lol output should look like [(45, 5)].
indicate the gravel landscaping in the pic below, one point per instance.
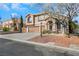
[(57, 40)]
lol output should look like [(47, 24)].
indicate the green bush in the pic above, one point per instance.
[(49, 32), (46, 31), (5, 29)]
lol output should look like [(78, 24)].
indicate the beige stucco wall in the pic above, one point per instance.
[(44, 18), (34, 29)]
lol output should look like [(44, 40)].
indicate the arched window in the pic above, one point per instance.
[(29, 20)]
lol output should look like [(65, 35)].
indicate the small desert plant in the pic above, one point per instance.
[(68, 34), (49, 32), (78, 36), (46, 31), (5, 29)]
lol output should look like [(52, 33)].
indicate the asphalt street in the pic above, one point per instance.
[(13, 48)]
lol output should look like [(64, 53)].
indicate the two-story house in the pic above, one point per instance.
[(54, 22)]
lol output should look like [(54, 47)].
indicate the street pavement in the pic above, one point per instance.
[(14, 48)]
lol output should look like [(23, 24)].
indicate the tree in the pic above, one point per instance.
[(76, 24), (14, 24), (21, 19), (21, 24), (14, 19), (71, 10)]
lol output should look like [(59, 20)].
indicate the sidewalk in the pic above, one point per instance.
[(20, 36)]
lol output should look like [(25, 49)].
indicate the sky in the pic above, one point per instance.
[(8, 10)]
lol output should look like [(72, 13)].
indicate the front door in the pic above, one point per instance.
[(50, 25)]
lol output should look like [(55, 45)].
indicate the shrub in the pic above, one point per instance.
[(5, 29), (46, 31), (49, 32)]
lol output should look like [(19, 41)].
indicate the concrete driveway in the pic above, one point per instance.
[(20, 36)]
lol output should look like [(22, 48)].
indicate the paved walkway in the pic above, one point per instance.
[(20, 36)]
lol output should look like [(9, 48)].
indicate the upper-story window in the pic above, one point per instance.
[(29, 20), (41, 18), (46, 16)]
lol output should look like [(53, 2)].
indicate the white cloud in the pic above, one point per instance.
[(17, 6), (4, 6), (14, 14)]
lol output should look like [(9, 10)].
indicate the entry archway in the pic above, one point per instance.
[(50, 23)]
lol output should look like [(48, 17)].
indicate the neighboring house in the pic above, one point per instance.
[(54, 23), (9, 23), (14, 23)]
